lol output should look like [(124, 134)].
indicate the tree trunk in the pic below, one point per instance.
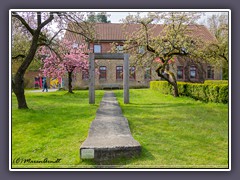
[(70, 82), (18, 89), (18, 84), (175, 89), (174, 84), (167, 78)]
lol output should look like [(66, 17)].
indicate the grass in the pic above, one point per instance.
[(54, 127), (173, 132), (176, 132)]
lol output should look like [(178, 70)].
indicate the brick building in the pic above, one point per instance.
[(111, 71)]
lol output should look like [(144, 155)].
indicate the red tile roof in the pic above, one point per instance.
[(114, 32)]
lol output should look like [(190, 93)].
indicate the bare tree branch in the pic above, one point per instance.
[(51, 17), (19, 56), (26, 25), (224, 57), (50, 41), (51, 49), (39, 18)]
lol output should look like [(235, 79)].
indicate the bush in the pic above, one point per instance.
[(213, 93), (162, 86), (80, 88), (223, 94), (209, 92), (182, 88), (216, 82), (198, 91)]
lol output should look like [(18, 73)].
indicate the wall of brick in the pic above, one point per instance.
[(111, 78), (139, 81), (201, 70), (105, 46)]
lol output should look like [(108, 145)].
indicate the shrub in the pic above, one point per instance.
[(162, 86), (223, 94), (214, 92), (216, 82), (182, 88)]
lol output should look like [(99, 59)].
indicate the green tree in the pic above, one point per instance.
[(101, 17), (176, 39), (218, 51), (20, 46)]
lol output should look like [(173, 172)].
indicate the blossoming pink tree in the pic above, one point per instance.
[(43, 29), (69, 60)]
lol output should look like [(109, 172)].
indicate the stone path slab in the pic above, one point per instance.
[(109, 135)]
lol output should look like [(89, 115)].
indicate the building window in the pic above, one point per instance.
[(147, 74), (85, 75), (210, 72), (180, 72), (102, 72), (119, 48), (119, 72), (97, 48), (193, 72), (132, 74)]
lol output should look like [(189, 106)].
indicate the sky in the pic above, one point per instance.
[(115, 17)]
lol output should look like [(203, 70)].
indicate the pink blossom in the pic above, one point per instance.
[(71, 60)]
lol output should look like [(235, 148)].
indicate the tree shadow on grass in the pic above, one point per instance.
[(160, 105)]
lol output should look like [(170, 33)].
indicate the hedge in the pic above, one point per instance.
[(216, 82), (208, 92)]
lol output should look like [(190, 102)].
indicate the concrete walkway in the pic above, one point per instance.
[(109, 135), (40, 90)]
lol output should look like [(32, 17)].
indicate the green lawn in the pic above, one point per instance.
[(54, 127), (177, 132), (173, 132)]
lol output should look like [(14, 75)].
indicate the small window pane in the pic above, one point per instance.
[(210, 72), (119, 72), (97, 48), (147, 74), (85, 75), (132, 74), (103, 72), (180, 72), (193, 73)]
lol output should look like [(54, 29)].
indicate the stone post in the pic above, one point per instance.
[(92, 79), (126, 78)]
